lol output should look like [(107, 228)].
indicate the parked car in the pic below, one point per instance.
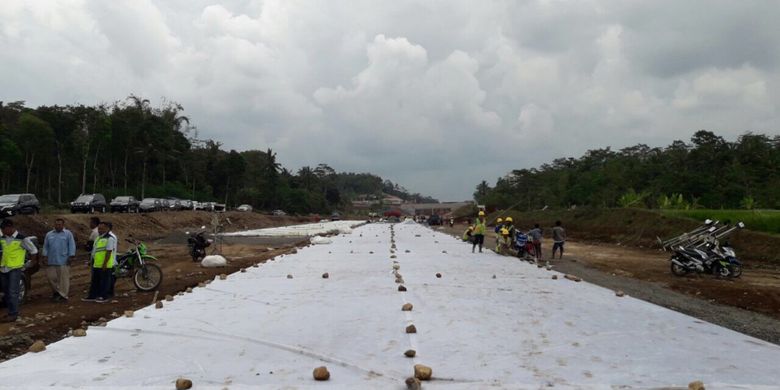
[(244, 207), (187, 205), (126, 204), (149, 205), (279, 212), (13, 204), (89, 203), (166, 204), (335, 216)]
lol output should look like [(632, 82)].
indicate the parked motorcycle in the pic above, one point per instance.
[(135, 263), (198, 243), (700, 251), (720, 261)]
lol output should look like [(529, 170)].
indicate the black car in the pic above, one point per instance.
[(13, 204), (150, 204), (434, 220), (89, 203), (126, 204)]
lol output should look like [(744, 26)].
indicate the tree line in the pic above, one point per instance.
[(707, 172), (132, 148)]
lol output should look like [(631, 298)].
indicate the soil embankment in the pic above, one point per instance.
[(164, 235)]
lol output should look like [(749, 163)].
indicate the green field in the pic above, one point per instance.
[(758, 220)]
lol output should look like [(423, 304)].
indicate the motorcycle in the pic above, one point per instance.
[(135, 263), (198, 244), (718, 260)]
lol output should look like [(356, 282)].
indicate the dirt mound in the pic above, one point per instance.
[(150, 226)]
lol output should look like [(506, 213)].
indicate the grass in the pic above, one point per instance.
[(767, 221)]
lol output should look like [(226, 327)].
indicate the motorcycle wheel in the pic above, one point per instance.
[(24, 286), (148, 278), (678, 270), (736, 270)]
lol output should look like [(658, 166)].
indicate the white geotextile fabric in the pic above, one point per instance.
[(319, 240), (213, 261), (520, 330), (309, 229)]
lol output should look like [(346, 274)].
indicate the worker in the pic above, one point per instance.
[(480, 226), (15, 247), (103, 260), (59, 248), (468, 233), (497, 230), (509, 224)]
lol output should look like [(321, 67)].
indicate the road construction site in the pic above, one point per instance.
[(475, 321)]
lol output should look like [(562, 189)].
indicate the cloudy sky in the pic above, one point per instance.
[(435, 95)]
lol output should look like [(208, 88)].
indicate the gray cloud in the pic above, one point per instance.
[(436, 95)]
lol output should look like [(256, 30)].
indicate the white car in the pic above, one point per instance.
[(244, 207)]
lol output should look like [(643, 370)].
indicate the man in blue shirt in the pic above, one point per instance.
[(59, 247)]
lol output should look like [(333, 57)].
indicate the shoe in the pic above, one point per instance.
[(101, 300), (88, 299), (8, 319)]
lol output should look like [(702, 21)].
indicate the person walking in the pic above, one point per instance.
[(59, 247), (15, 247), (103, 260), (559, 238), (480, 226), (536, 238)]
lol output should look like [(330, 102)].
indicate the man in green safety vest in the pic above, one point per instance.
[(103, 260), (15, 248), (480, 226)]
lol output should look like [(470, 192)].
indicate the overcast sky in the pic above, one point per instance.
[(435, 95)]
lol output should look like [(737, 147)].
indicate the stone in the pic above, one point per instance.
[(393, 256), (168, 298), (79, 332), (401, 288), (399, 280), (443, 251), (201, 284), (189, 289), (158, 305), (396, 266), (539, 265), (255, 265), (289, 276), (696, 385), (294, 251), (370, 252), (410, 353), (243, 269), (549, 267), (438, 275), (422, 372), (620, 293), (411, 329), (572, 278), (408, 251), (494, 276), (183, 384), (37, 346), (129, 313), (407, 307), (222, 276), (325, 275), (413, 384), (555, 277), (321, 373)]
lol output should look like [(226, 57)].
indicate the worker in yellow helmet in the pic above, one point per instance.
[(497, 230), (468, 233), (480, 226)]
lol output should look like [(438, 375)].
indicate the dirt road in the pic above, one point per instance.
[(750, 304), (42, 319)]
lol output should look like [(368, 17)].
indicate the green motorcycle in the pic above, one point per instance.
[(135, 263)]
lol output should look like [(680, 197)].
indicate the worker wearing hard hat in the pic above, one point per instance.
[(497, 230), (480, 226), (468, 233)]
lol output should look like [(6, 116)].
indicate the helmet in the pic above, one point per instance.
[(481, 213), (471, 227), (504, 231), (509, 219), (499, 220)]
